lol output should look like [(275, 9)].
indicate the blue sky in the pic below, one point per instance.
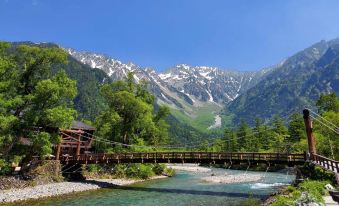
[(238, 34)]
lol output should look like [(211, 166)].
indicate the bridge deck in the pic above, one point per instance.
[(188, 157)]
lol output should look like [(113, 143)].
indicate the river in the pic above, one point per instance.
[(184, 189)]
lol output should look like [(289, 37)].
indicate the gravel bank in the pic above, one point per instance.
[(189, 167), (230, 179), (61, 188)]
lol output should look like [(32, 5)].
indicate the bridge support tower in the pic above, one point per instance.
[(309, 132)]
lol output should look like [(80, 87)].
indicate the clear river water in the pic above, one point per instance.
[(184, 189)]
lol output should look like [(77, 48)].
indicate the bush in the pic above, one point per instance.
[(93, 168), (132, 171), (145, 171), (316, 189), (314, 172), (290, 189), (159, 169), (282, 201), (119, 171), (5, 167), (169, 172)]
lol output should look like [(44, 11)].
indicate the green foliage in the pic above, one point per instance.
[(230, 139), (145, 171), (159, 169), (119, 171), (93, 168), (130, 117), (305, 192), (41, 143), (317, 173), (139, 171), (327, 140), (5, 167), (169, 172), (32, 97), (315, 189), (328, 102)]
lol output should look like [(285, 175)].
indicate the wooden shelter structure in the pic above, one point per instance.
[(75, 141)]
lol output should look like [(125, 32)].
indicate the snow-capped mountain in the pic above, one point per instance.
[(209, 83), (188, 83), (183, 87)]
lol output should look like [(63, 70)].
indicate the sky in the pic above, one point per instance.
[(231, 34)]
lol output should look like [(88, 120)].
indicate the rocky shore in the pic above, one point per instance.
[(189, 167), (230, 179), (61, 188)]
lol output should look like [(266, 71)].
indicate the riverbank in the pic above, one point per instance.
[(62, 188), (230, 179), (189, 167), (213, 178)]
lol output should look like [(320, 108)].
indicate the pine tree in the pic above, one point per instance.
[(245, 137), (230, 141)]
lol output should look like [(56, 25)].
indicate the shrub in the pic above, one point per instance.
[(316, 189), (119, 171), (282, 201), (132, 171), (5, 168), (93, 168), (290, 189), (169, 172), (145, 171), (158, 169)]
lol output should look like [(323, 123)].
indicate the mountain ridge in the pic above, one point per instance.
[(185, 89)]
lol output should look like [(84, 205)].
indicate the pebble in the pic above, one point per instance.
[(229, 179), (61, 188)]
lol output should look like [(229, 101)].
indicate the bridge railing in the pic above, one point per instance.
[(189, 156), (326, 163)]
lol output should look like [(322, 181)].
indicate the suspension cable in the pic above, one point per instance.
[(336, 127), (318, 120)]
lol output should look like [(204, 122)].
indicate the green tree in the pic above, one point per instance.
[(245, 137), (32, 100), (328, 140), (280, 133), (328, 102), (204, 146), (296, 133), (218, 145), (230, 141), (130, 117)]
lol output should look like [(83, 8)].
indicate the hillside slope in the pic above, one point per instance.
[(296, 83)]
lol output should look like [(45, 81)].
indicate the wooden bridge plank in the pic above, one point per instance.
[(189, 157)]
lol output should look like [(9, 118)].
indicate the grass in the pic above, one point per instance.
[(198, 117), (314, 189)]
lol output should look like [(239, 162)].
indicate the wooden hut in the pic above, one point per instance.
[(76, 140)]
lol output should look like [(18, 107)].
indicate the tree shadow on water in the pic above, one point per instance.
[(177, 191)]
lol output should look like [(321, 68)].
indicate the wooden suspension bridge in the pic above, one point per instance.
[(77, 141), (188, 157)]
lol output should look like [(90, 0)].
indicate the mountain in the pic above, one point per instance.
[(205, 98), (294, 84), (196, 95)]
